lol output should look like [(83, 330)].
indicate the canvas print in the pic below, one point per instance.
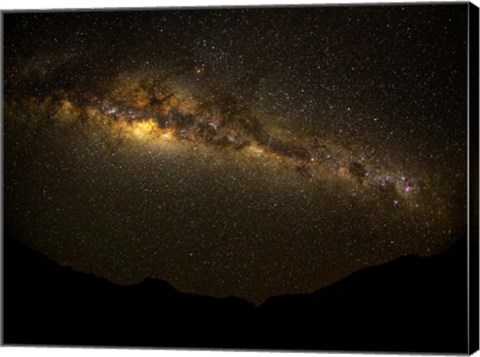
[(280, 178)]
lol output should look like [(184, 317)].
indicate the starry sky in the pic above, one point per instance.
[(245, 152)]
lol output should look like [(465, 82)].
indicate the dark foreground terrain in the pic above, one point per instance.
[(411, 304)]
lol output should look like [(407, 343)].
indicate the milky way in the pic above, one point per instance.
[(246, 152)]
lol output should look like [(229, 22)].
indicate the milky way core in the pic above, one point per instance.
[(236, 152)]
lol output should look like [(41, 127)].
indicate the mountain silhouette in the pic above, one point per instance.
[(413, 304)]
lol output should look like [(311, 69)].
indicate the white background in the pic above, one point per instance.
[(100, 352)]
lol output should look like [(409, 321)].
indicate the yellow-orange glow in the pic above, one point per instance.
[(255, 149), (143, 129)]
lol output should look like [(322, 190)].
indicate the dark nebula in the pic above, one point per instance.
[(236, 152)]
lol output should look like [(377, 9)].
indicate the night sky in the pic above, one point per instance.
[(246, 152)]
